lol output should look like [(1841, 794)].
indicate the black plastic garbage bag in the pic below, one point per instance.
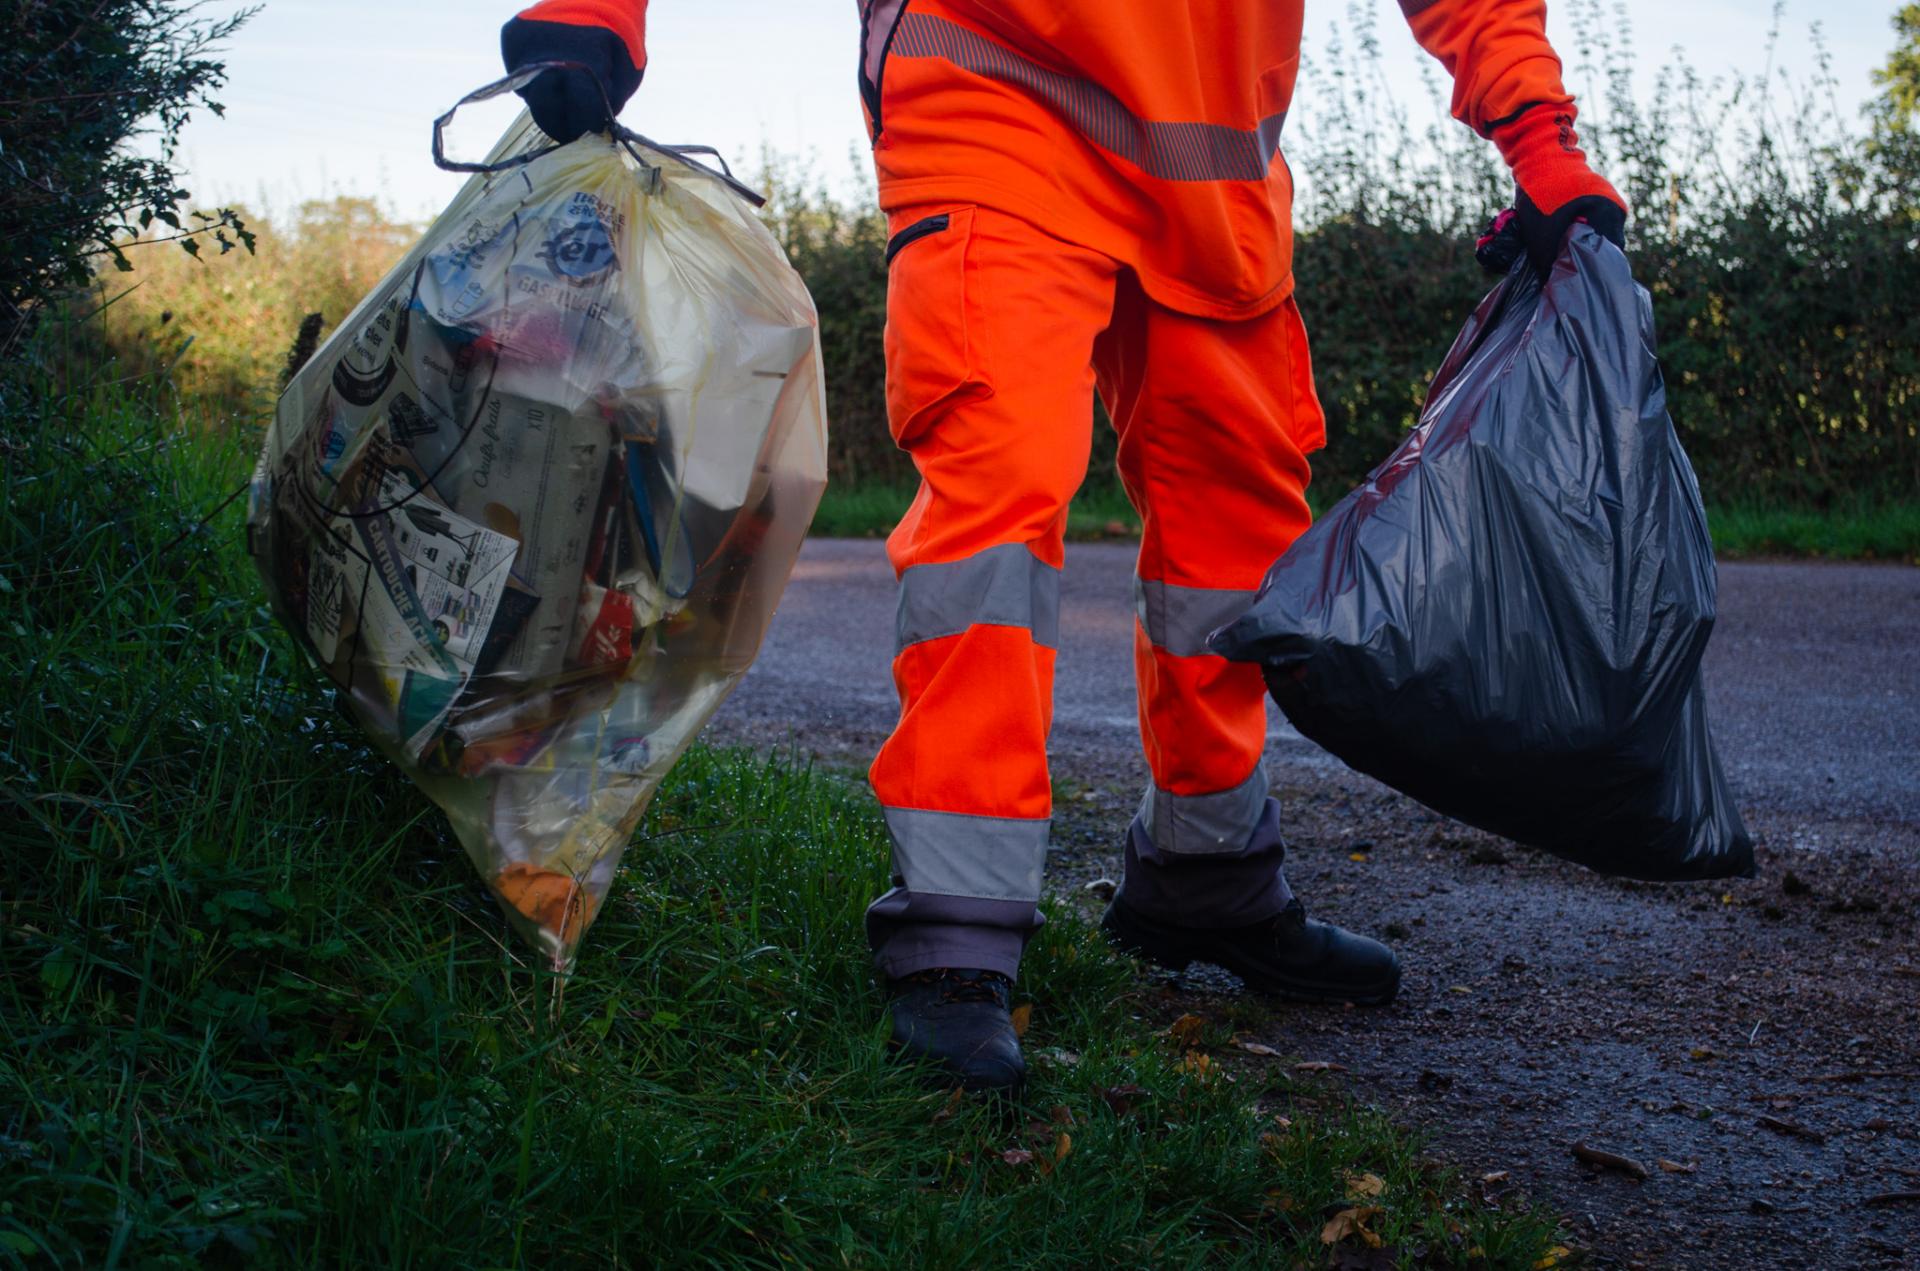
[(1506, 619)]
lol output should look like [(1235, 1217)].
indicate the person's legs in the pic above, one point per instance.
[(990, 331), (1215, 419), (1215, 422)]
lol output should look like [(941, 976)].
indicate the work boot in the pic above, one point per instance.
[(958, 1019), (1289, 953)]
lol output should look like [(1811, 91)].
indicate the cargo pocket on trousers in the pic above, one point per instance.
[(933, 346)]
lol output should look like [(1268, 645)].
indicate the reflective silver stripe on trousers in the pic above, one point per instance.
[(1205, 824), (1179, 619), (1170, 151), (952, 854), (1004, 586)]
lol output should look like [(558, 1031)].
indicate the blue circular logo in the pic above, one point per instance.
[(579, 251)]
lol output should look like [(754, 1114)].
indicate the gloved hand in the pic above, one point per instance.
[(568, 103), (1554, 188)]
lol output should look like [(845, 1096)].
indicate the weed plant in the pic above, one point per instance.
[(256, 1009)]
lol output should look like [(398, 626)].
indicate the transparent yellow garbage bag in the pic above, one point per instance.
[(530, 508)]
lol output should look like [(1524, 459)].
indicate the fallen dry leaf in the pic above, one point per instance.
[(1061, 1114), (1186, 1030), (1675, 1167), (1319, 1065), (1610, 1160), (1349, 1223), (1357, 856), (1498, 1176), (1022, 1016), (1198, 1064), (1552, 1258), (1062, 1146), (1123, 1098), (1365, 1186), (951, 1106), (1255, 1048), (1017, 1156)]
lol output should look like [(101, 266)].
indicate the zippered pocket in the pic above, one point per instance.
[(918, 230), (935, 351)]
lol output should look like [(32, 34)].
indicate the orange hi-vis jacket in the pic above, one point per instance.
[(1146, 129)]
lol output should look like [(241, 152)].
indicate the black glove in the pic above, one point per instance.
[(570, 103), (1549, 172), (1525, 228)]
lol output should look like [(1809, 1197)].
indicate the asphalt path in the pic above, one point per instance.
[(1754, 1044), (1813, 674)]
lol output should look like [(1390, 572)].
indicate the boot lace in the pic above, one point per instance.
[(964, 986)]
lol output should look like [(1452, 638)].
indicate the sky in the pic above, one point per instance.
[(333, 97)]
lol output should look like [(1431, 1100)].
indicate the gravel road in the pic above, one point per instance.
[(1756, 1045)]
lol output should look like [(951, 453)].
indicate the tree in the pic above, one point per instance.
[(1901, 75), (1894, 142), (79, 81)]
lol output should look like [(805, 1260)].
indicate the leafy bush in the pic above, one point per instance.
[(222, 335), (83, 78), (1778, 239)]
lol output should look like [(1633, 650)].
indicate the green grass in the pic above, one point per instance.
[(255, 1006), (1862, 531), (860, 511), (1858, 531), (1100, 510)]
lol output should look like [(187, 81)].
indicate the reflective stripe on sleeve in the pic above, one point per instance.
[(1004, 586), (1178, 619), (1204, 824), (1170, 151), (953, 854)]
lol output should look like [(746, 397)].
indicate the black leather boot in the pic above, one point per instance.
[(1288, 954), (958, 1019)]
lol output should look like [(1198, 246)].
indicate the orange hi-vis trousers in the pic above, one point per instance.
[(997, 336)]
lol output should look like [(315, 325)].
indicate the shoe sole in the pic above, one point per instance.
[(1156, 951), (935, 1074)]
